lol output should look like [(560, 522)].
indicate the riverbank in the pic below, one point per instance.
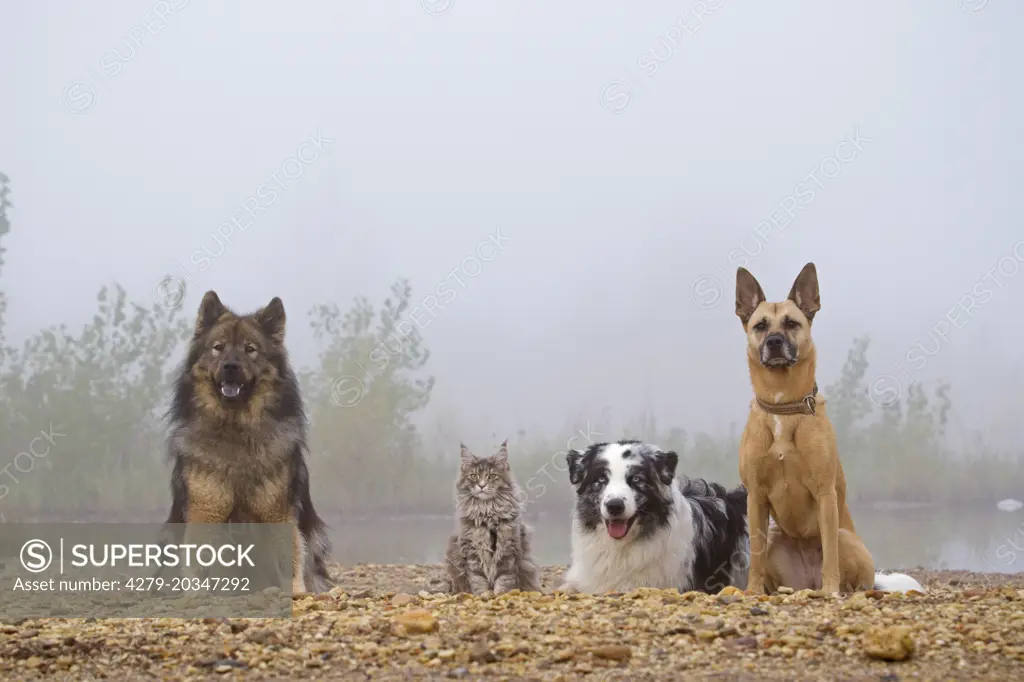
[(390, 622), (534, 511)]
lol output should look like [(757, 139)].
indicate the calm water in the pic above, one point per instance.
[(981, 541)]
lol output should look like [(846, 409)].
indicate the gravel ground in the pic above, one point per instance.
[(389, 622)]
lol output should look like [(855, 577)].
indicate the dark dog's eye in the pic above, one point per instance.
[(761, 326), (598, 482), (790, 324), (218, 347), (250, 349)]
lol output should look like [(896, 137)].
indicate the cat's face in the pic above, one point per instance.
[(484, 478)]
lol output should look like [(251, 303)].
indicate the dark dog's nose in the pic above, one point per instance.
[(232, 368), (774, 341), (615, 506)]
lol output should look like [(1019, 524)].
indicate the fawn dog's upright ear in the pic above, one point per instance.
[(749, 295), (805, 292)]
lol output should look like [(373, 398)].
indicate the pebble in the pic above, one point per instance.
[(416, 622), (613, 652), (889, 643), (481, 653), (402, 600), (745, 642), (227, 665), (261, 636)]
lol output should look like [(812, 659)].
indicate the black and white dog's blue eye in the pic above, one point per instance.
[(636, 479), (598, 482)]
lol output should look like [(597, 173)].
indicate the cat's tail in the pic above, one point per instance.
[(896, 582), (529, 571), (458, 576)]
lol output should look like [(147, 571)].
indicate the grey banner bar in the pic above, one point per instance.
[(145, 570)]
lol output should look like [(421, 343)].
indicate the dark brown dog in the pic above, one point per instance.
[(238, 435)]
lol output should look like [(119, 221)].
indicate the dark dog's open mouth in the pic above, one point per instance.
[(618, 528), (230, 389)]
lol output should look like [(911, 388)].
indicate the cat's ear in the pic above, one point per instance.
[(465, 455), (574, 458), (501, 457)]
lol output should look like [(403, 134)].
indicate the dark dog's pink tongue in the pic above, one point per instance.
[(617, 529)]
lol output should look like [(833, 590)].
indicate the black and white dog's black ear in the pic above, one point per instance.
[(574, 458), (665, 465)]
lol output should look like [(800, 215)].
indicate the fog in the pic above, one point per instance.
[(630, 156)]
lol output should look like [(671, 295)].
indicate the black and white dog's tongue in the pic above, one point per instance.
[(230, 390), (617, 529)]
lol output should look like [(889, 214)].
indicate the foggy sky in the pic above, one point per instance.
[(620, 183)]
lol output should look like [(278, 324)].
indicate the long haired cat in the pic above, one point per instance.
[(490, 550)]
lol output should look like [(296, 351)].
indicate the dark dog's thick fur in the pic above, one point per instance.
[(238, 434)]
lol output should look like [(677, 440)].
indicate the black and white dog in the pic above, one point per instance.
[(636, 524)]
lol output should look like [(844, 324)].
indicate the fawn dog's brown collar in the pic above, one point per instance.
[(805, 405)]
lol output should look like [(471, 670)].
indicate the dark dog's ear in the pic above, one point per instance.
[(805, 291), (465, 455), (271, 319), (749, 295), (574, 458), (210, 310), (665, 465)]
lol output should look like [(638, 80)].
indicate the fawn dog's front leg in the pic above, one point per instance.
[(757, 519), (828, 527)]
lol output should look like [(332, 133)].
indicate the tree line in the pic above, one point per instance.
[(83, 408)]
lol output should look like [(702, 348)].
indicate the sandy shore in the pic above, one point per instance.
[(390, 622)]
